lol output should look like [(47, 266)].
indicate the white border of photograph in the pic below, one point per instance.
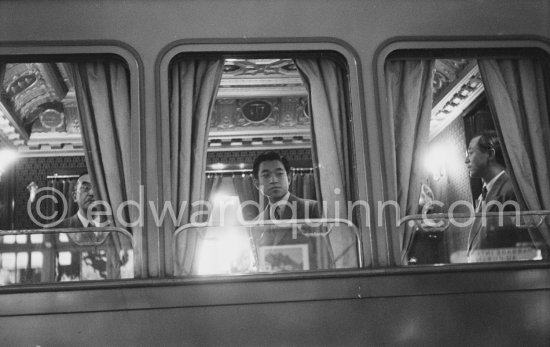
[(298, 253)]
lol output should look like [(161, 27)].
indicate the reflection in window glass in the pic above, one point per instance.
[(37, 238), (263, 105), (463, 157), (21, 239), (37, 259), (42, 127)]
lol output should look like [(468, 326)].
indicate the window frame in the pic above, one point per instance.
[(67, 51), (274, 47), (422, 47)]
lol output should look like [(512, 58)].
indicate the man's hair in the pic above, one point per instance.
[(269, 156), (78, 179), (489, 140)]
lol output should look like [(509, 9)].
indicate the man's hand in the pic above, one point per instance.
[(123, 256)]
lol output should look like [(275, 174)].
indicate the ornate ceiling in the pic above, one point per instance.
[(262, 103), (457, 84), (38, 113)]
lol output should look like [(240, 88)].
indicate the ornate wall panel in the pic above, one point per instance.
[(28, 170), (299, 158), (259, 123)]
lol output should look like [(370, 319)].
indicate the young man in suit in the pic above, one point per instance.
[(271, 177), (485, 160)]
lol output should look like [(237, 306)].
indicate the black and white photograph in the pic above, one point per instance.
[(275, 173), (284, 258)]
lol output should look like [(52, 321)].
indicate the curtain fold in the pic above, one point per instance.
[(245, 189), (193, 87), (103, 95), (410, 95), (309, 186), (519, 96), (303, 184), (212, 184), (296, 187), (325, 80)]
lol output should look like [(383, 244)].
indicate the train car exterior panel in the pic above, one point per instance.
[(490, 304)]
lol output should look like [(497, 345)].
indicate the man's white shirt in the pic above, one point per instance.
[(487, 186)]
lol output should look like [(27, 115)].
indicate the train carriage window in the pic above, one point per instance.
[(469, 135), (65, 154), (229, 110)]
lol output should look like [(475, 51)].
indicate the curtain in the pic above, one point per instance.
[(518, 94), (409, 92), (193, 88), (325, 80), (212, 184), (296, 184), (245, 189), (103, 95), (302, 184)]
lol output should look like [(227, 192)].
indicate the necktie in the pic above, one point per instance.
[(484, 193), (277, 212), (481, 199)]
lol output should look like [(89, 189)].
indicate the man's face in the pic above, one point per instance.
[(477, 161), (84, 193), (272, 179)]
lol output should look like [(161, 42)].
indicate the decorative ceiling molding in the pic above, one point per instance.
[(446, 72), (259, 140), (259, 124), (228, 81), (457, 96), (54, 140), (44, 93), (255, 92), (38, 111), (28, 88), (65, 150), (54, 79), (259, 67), (11, 127), (52, 144), (260, 78)]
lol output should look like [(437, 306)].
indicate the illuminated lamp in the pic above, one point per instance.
[(7, 157), (225, 248), (218, 166), (435, 162)]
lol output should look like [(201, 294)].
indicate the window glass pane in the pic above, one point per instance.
[(37, 238), (262, 110), (270, 247), (88, 255), (464, 160), (44, 175)]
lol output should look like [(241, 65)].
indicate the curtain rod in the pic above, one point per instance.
[(56, 176), (228, 171), (245, 171)]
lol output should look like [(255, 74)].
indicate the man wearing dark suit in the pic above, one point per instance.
[(486, 161), (95, 246), (271, 177), (83, 195)]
